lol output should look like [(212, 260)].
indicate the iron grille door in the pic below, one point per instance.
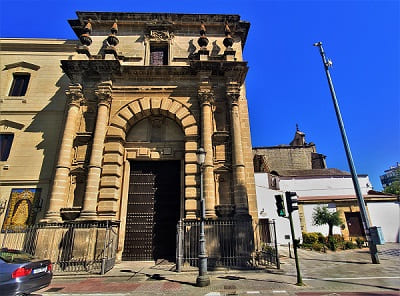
[(153, 210)]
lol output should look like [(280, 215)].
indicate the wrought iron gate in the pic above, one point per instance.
[(153, 210)]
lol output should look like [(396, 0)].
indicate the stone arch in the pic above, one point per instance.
[(114, 160), (138, 109)]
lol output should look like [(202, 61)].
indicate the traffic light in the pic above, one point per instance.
[(280, 205), (291, 201)]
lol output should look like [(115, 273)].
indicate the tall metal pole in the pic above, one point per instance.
[(296, 257), (278, 262), (203, 279), (361, 203)]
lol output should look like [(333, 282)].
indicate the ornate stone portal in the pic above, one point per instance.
[(155, 96)]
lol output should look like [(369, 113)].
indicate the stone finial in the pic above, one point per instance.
[(85, 36), (114, 28), (112, 39), (228, 41), (203, 40)]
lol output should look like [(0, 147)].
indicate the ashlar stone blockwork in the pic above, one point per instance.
[(152, 94)]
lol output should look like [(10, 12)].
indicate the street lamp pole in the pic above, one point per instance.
[(202, 279), (361, 203)]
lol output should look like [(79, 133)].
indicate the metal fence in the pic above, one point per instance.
[(72, 247), (268, 250), (229, 243)]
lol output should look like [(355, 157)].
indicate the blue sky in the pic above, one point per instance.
[(286, 84)]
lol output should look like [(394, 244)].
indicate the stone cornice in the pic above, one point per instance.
[(113, 69), (37, 45), (236, 70)]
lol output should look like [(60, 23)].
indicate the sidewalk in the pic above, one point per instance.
[(350, 270)]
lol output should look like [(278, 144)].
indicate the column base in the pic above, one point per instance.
[(210, 214), (88, 216), (52, 217), (202, 281)]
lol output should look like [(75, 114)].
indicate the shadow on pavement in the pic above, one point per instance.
[(357, 284), (339, 261), (236, 278)]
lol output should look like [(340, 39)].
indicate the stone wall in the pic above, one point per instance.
[(287, 157)]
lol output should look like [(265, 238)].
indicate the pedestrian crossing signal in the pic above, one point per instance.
[(280, 205)]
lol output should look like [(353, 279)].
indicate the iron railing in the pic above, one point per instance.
[(229, 243), (267, 254), (72, 247)]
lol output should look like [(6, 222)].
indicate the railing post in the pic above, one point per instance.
[(179, 251), (4, 238), (103, 260)]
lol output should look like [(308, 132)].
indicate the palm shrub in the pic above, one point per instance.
[(322, 216)]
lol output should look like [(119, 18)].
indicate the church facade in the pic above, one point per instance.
[(113, 134)]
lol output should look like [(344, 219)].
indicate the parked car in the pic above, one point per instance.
[(22, 273)]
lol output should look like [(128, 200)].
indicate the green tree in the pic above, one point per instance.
[(393, 188), (322, 216)]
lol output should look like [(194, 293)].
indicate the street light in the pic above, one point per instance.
[(202, 279), (363, 212)]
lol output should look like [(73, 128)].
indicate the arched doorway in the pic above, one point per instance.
[(148, 130), (155, 200)]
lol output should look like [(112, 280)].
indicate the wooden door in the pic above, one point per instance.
[(354, 224), (153, 210)]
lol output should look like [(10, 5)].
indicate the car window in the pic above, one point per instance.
[(15, 256)]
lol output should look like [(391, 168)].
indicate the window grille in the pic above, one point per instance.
[(159, 54)]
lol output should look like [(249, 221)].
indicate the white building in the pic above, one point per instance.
[(326, 187)]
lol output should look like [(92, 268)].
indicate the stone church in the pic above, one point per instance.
[(106, 128)]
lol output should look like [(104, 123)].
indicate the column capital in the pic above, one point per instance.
[(104, 93), (233, 97), (233, 92), (206, 96), (74, 94)]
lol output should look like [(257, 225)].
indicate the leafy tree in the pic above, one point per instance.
[(393, 188), (322, 216)]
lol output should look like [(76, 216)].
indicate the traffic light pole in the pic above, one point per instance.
[(296, 258), (361, 203)]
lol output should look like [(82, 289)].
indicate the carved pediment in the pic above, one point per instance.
[(22, 65)]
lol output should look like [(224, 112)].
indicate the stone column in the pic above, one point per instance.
[(206, 97), (239, 175), (103, 94), (61, 178)]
